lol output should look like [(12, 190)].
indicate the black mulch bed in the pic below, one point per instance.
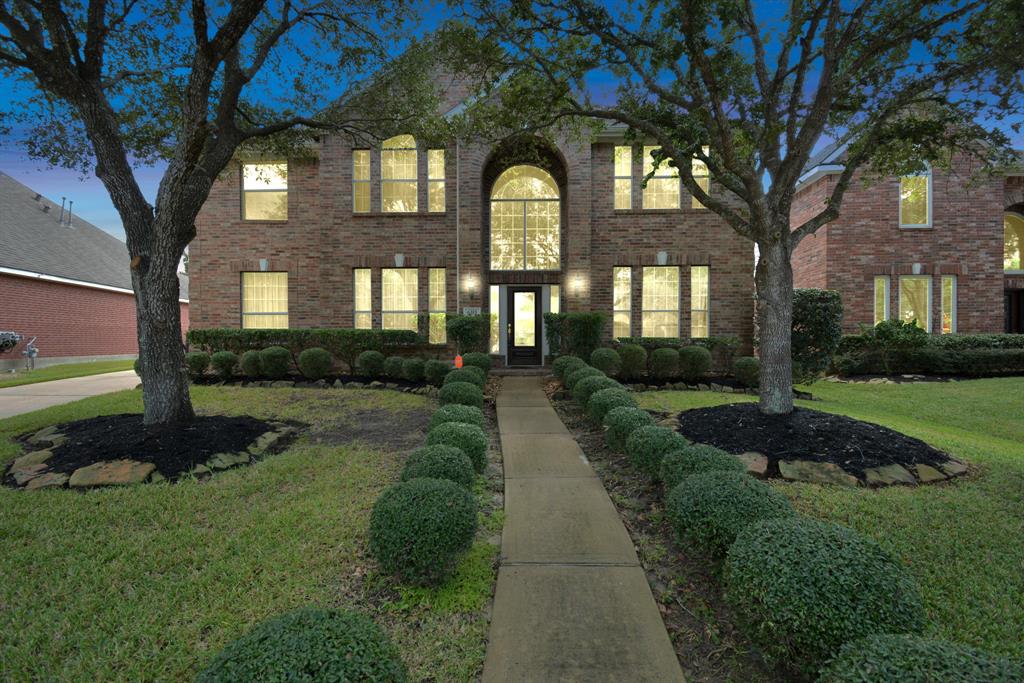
[(174, 450), (805, 435)]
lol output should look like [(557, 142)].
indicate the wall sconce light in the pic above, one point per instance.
[(399, 260), (662, 257), (469, 283), (577, 283)]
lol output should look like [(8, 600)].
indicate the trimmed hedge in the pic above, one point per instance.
[(634, 361), (469, 438), (711, 508), (468, 332), (588, 386), (418, 528), (465, 375), (455, 412), (275, 361), (601, 402), (664, 363), (747, 371), (224, 364), (413, 369), (315, 363), (477, 359), (440, 462), (721, 348), (621, 422), (801, 588), (309, 644), (696, 459), (434, 371), (393, 366), (694, 363), (577, 332), (250, 364), (949, 342), (646, 446), (197, 363), (370, 364), (481, 375), (933, 361), (893, 658), (607, 361), (563, 365), (577, 375), (462, 393)]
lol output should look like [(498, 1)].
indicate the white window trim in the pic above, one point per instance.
[(931, 303), (616, 177), (678, 310), (241, 299), (415, 179), (355, 298), (931, 219), (438, 181), (430, 297), (942, 289), (245, 191), (629, 300), (384, 311), (887, 286), (707, 302), (1012, 271), (357, 182)]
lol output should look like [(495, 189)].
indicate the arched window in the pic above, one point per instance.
[(398, 170), (525, 220), (1013, 242)]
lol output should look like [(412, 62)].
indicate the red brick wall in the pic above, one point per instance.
[(809, 257)]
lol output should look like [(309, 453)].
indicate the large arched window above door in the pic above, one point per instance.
[(525, 220)]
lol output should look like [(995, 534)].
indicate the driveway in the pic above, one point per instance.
[(29, 397)]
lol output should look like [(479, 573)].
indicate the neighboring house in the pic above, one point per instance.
[(940, 247), (397, 236), (65, 282)]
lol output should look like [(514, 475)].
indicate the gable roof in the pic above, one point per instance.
[(33, 240)]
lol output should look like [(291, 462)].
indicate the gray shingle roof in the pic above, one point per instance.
[(33, 239)]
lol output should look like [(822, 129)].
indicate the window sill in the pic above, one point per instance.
[(398, 214), (917, 227), (264, 220)]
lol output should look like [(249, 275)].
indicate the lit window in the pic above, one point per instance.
[(398, 170), (495, 298), (265, 192), (703, 177), (623, 177), (399, 299), (525, 220), (700, 301), (662, 189), (436, 306), (881, 298), (660, 301), (948, 304), (363, 301), (622, 304), (915, 200), (264, 301), (555, 299), (916, 300), (1013, 242), (435, 180), (361, 180)]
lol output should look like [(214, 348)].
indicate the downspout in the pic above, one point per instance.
[(458, 233)]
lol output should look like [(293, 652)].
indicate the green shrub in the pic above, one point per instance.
[(817, 331), (604, 400), (694, 363), (440, 462), (646, 446), (315, 363), (710, 508), (458, 413), (576, 375), (577, 333), (607, 361), (634, 361), (480, 374), (469, 438), (418, 528), (309, 644), (370, 364), (801, 588), (900, 658), (477, 359), (393, 367), (892, 336), (588, 386), (664, 363), (413, 369), (197, 362), (461, 393), (250, 364), (563, 365), (696, 459), (275, 361), (137, 367), (465, 375), (468, 332), (934, 361), (621, 422), (434, 371), (224, 364), (747, 371)]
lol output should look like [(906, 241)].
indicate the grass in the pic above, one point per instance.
[(963, 540), (147, 583), (64, 371)]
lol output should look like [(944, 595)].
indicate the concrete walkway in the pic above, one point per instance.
[(572, 602), (29, 397)]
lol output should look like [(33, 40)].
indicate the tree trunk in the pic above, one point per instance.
[(774, 282)]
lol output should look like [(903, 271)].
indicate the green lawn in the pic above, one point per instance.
[(65, 371), (147, 583), (963, 540)]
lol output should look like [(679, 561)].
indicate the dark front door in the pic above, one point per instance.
[(524, 326), (1014, 311)]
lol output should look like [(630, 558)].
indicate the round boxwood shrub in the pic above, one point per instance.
[(664, 363), (197, 362), (434, 371), (440, 462), (419, 527), (901, 658), (646, 446), (696, 458), (309, 644), (694, 363), (315, 363), (412, 369), (607, 361), (477, 359), (250, 363), (576, 376), (469, 438), (478, 372), (465, 375), (747, 371), (634, 361), (621, 422), (801, 588), (588, 386), (712, 507), (462, 393), (458, 413), (563, 365), (393, 366), (370, 363), (224, 363), (275, 361), (604, 400)]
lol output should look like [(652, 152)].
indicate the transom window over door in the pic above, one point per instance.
[(525, 220)]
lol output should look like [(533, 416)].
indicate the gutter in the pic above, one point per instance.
[(68, 281), (817, 172)]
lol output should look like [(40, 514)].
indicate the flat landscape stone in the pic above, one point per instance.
[(816, 472), (223, 461), (756, 463), (28, 472), (111, 473), (927, 474), (953, 468), (43, 435), (889, 475), (47, 480), (267, 440), (33, 458)]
